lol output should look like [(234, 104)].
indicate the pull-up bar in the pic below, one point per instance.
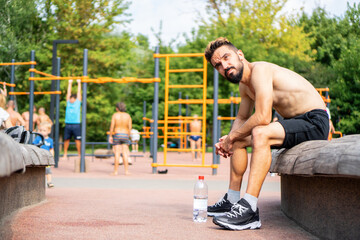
[(8, 84)]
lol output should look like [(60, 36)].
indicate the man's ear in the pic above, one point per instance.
[(241, 55)]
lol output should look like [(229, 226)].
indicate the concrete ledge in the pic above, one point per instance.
[(22, 176), (328, 207), (320, 186)]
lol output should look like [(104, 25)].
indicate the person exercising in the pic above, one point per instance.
[(195, 140), (72, 118), (262, 86)]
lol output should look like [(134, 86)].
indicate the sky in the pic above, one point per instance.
[(180, 16)]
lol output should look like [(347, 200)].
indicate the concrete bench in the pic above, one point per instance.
[(22, 177), (320, 186)]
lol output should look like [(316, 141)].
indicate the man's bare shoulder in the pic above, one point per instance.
[(260, 68)]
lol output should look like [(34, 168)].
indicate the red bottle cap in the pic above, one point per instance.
[(201, 177)]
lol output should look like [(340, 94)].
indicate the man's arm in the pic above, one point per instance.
[(112, 125), (262, 83), (79, 89), (20, 119), (68, 94), (130, 125)]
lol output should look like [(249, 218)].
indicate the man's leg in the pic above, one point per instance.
[(116, 149), (66, 147), (198, 146), (78, 146), (125, 153), (245, 214), (238, 165), (263, 138), (192, 146)]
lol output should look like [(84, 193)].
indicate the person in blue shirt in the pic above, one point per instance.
[(72, 118), (48, 144)]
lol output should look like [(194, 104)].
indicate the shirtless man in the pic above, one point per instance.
[(26, 117), (43, 117), (121, 125), (15, 117), (195, 140), (262, 85)]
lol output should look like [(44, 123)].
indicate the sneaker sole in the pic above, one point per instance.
[(253, 225), (210, 214)]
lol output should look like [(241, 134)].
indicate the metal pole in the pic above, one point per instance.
[(156, 110), (54, 71), (144, 124), (83, 114), (180, 107), (56, 145), (12, 78), (152, 130), (218, 137), (215, 121), (31, 96)]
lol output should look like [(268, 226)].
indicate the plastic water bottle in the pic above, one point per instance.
[(200, 200)]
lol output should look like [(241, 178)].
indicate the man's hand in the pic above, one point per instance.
[(70, 81), (227, 145), (111, 140), (219, 150), (78, 81)]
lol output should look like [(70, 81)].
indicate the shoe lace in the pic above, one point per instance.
[(236, 210), (220, 202)]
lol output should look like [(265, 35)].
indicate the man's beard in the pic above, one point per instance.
[(235, 78)]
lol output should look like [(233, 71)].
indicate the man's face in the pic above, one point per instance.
[(228, 64)]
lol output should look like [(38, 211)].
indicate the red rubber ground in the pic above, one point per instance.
[(95, 205)]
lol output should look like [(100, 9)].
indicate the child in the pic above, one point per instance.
[(45, 129)]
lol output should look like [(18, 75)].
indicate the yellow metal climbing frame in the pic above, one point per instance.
[(169, 119)]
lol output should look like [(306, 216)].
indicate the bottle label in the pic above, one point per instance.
[(200, 204)]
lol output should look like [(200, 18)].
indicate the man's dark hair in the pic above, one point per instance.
[(213, 45), (121, 106), (73, 95)]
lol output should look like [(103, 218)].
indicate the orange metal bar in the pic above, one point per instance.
[(148, 119), (8, 84), (35, 93), (183, 150), (41, 73), (204, 110), (17, 63), (187, 133), (184, 165), (186, 86), (226, 118), (208, 101), (55, 78), (157, 55), (186, 70)]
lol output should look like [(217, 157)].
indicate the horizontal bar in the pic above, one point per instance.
[(182, 150), (184, 165), (18, 63), (55, 78), (8, 84), (148, 119), (185, 133), (182, 117), (322, 89), (35, 93), (186, 70), (186, 86), (208, 101), (157, 55), (226, 118)]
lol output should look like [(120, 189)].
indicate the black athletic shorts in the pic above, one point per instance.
[(72, 130), (313, 125)]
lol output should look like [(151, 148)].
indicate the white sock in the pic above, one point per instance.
[(251, 200), (233, 196)]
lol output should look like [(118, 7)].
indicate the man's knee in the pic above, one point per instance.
[(260, 136)]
